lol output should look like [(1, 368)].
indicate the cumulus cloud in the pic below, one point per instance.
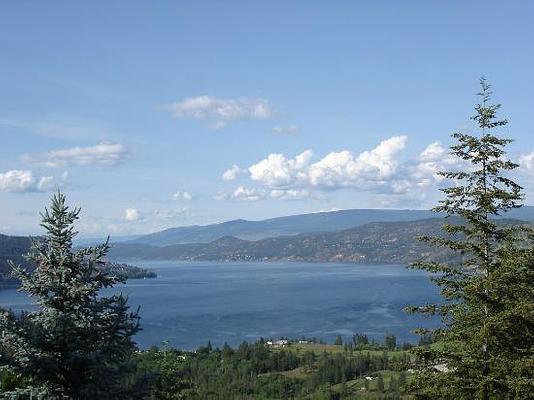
[(242, 193), (289, 194), (220, 111), (245, 194), (186, 196), (286, 130), (131, 215), (221, 195), (45, 183), (433, 152), (378, 170), (104, 154), (277, 171), (231, 173), (334, 171), (433, 159), (526, 162), (343, 169), (24, 181)]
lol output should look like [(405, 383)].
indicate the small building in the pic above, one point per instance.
[(277, 343), (441, 368)]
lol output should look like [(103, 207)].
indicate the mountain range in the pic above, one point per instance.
[(330, 221), (376, 242), (373, 242), (372, 236)]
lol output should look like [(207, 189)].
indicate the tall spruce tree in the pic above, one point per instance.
[(77, 344), (485, 349)]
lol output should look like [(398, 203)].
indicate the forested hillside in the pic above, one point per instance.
[(380, 242), (330, 221), (13, 248)]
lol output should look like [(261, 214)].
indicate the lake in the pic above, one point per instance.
[(190, 303)]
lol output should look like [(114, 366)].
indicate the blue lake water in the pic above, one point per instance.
[(191, 303)]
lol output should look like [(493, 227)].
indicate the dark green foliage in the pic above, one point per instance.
[(360, 339), (486, 348), (14, 248), (390, 342), (255, 371), (126, 271), (402, 379), (76, 345), (380, 383)]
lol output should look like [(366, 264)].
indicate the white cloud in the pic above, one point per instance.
[(24, 181), (221, 195), (377, 170), (433, 152), (131, 214), (242, 193), (286, 130), (221, 110), (45, 183), (245, 194), (104, 154), (277, 171), (334, 171), (433, 159), (186, 196), (232, 173), (343, 169), (289, 194), (526, 162), (168, 215)]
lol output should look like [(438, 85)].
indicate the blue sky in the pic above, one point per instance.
[(157, 115)]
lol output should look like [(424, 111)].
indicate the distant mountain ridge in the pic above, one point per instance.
[(377, 242), (13, 248), (329, 221)]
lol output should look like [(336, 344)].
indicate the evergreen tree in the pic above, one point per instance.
[(77, 344), (360, 339), (486, 344), (390, 342)]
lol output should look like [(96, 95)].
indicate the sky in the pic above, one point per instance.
[(150, 115)]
